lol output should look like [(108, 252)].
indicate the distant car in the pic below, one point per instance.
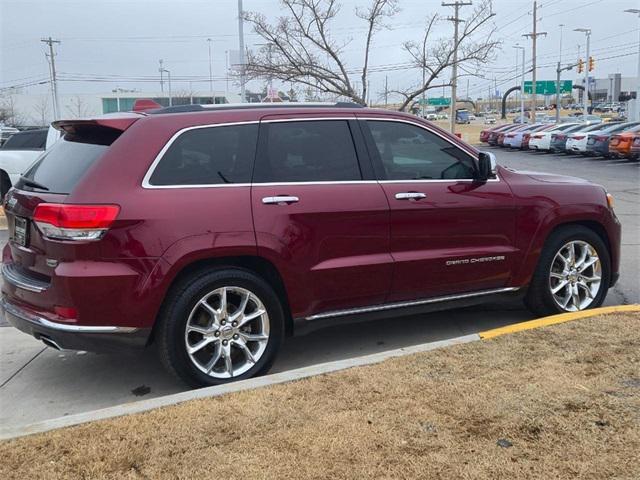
[(598, 141), (462, 116), (494, 134), (472, 117), (526, 136), (431, 117), (576, 141), (20, 151), (542, 140), (485, 134), (620, 143), (490, 120), (588, 119), (443, 116), (635, 147), (558, 141), (5, 134), (514, 138)]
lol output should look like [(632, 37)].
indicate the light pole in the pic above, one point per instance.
[(164, 70), (242, 54), (637, 11), (587, 32), (558, 102), (210, 72), (522, 86)]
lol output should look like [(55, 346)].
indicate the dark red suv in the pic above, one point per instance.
[(214, 232)]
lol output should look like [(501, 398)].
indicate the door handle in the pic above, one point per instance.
[(280, 199), (410, 196)]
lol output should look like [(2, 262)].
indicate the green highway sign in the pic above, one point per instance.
[(437, 102), (548, 87)]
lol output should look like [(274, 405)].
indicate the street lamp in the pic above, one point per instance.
[(164, 70), (637, 11), (522, 86), (587, 32)]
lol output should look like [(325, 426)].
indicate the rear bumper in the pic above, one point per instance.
[(73, 337)]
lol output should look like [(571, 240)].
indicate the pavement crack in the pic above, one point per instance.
[(22, 367)]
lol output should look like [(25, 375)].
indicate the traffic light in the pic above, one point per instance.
[(592, 64), (580, 66)]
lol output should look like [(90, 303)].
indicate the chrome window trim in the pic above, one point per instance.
[(146, 180), (412, 303), (37, 320), (147, 185)]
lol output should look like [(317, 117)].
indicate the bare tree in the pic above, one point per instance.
[(475, 48), (41, 109), (78, 107), (300, 46), (9, 114)]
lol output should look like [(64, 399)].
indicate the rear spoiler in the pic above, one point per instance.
[(120, 123)]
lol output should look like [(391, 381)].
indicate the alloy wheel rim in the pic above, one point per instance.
[(575, 276), (227, 332)]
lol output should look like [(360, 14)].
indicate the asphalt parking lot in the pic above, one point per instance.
[(38, 383)]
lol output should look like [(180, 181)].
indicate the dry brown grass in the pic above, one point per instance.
[(567, 397)]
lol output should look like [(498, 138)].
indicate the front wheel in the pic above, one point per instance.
[(220, 326), (573, 273)]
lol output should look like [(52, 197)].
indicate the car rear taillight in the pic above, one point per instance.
[(577, 137), (600, 138), (60, 221), (537, 136)]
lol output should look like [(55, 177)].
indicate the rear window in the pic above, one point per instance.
[(60, 168), (35, 140)]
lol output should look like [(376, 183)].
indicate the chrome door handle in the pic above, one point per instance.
[(280, 199), (410, 196)]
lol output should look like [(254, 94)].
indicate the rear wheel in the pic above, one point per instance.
[(573, 273), (220, 326)]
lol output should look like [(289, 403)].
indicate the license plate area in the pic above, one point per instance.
[(21, 231)]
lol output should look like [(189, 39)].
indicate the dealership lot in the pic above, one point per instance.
[(39, 383)]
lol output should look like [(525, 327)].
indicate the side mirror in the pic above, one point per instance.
[(487, 166)]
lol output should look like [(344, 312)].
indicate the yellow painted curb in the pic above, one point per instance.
[(554, 319)]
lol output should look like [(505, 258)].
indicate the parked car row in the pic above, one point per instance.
[(609, 140)]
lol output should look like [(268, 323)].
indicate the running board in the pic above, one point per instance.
[(334, 317)]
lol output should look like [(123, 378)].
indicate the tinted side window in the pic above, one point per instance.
[(209, 156), (308, 151), (35, 140), (408, 152)]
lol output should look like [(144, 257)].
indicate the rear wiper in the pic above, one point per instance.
[(32, 183)]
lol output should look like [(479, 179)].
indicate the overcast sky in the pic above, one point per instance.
[(109, 42)]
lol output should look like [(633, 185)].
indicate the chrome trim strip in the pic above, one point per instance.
[(147, 177), (390, 306), (37, 320), (17, 279)]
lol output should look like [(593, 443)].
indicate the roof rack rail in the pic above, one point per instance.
[(240, 106)]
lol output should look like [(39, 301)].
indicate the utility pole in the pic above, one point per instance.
[(242, 54), (386, 90), (587, 32), (454, 69), (518, 47), (558, 101), (161, 70), (637, 103), (54, 81), (213, 99), (164, 70), (534, 35)]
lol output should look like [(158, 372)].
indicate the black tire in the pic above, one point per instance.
[(539, 298), (182, 299)]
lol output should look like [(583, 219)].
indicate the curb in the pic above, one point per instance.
[(208, 392), (555, 319), (293, 375)]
